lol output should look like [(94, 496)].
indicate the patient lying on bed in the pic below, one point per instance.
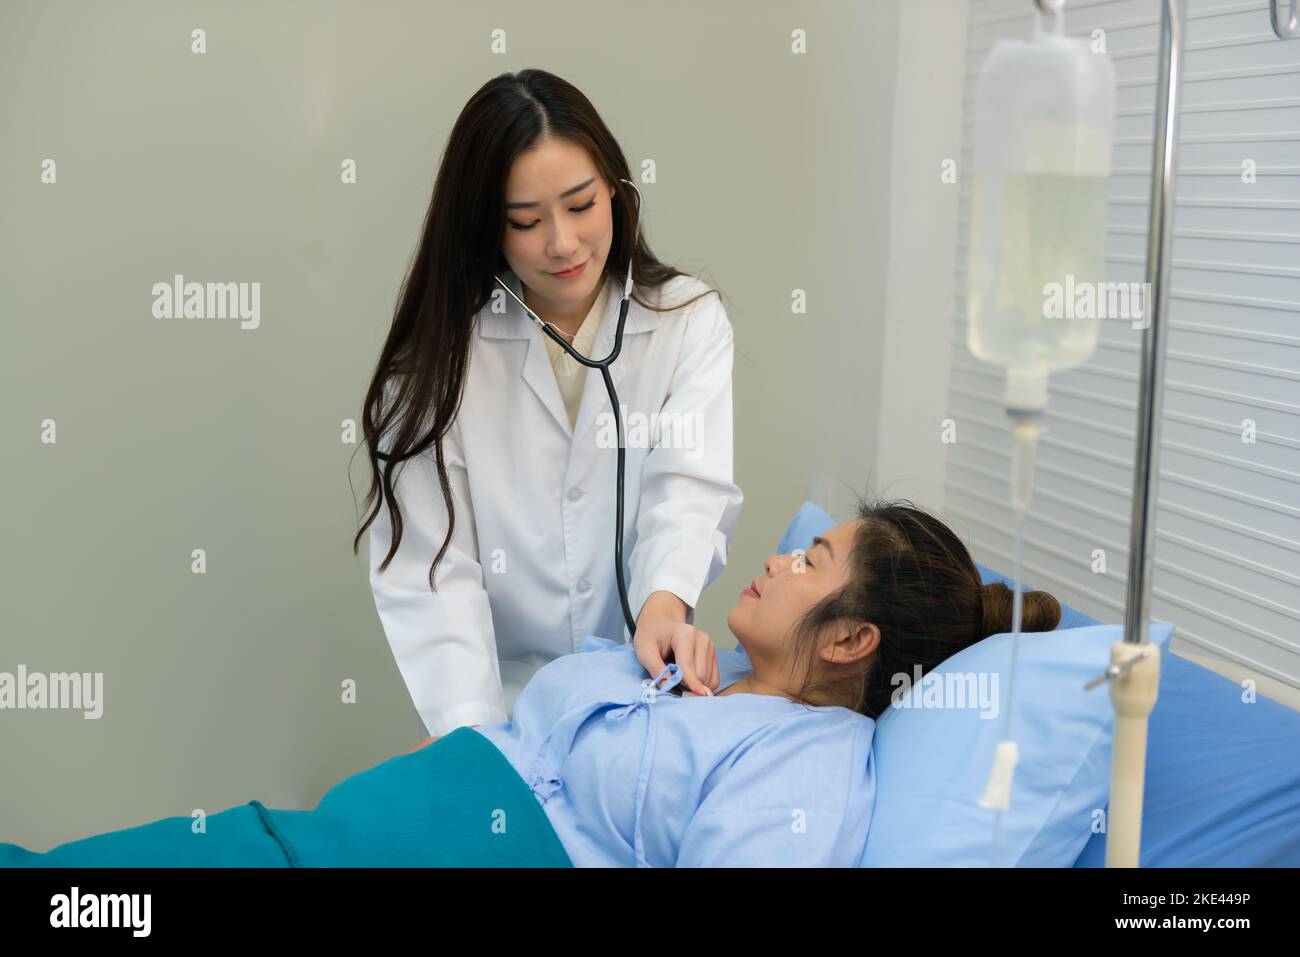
[(774, 767)]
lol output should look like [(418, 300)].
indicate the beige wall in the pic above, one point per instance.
[(773, 175)]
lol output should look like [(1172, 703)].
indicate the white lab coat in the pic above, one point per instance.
[(530, 569)]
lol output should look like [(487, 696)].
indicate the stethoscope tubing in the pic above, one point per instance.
[(603, 365)]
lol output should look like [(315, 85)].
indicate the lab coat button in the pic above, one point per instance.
[(584, 586), (575, 493)]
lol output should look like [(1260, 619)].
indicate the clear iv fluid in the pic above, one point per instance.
[(1044, 125), (1030, 230)]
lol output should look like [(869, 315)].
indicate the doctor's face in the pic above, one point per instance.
[(558, 215), (790, 585)]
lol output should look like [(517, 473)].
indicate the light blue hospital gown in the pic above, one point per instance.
[(631, 775)]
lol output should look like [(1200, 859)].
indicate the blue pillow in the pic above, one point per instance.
[(1204, 741), (932, 764), (809, 522)]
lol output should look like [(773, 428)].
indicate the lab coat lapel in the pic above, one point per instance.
[(595, 399), (537, 371), (540, 375), (514, 323)]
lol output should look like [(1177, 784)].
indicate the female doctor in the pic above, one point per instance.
[(493, 453)]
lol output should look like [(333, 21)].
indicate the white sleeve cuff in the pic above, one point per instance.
[(684, 590), (471, 712)]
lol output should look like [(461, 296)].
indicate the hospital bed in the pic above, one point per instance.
[(1222, 781), (1222, 778)]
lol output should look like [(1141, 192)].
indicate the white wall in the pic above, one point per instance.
[(807, 207), (927, 126), (773, 175)]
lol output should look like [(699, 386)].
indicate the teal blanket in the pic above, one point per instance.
[(454, 803)]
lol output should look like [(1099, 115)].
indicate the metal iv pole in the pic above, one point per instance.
[(1134, 672)]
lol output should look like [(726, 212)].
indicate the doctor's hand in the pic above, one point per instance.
[(662, 633)]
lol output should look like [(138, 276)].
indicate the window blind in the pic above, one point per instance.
[(1226, 562)]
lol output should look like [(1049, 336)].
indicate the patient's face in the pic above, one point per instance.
[(791, 584)]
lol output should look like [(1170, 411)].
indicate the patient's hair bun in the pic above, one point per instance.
[(1040, 612)]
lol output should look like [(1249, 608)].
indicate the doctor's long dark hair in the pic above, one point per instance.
[(424, 359)]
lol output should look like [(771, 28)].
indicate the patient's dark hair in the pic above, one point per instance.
[(911, 576)]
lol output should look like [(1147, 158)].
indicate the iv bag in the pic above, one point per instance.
[(1044, 121)]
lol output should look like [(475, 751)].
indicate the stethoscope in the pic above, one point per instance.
[(603, 365)]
